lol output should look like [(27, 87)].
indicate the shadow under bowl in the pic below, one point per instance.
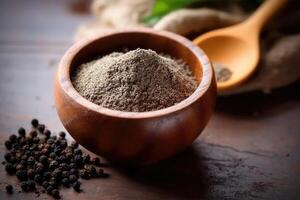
[(137, 138)]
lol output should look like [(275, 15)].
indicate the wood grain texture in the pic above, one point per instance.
[(250, 149)]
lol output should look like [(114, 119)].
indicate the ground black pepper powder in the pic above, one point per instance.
[(48, 162), (136, 81)]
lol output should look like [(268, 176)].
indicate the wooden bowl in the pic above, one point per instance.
[(135, 137)]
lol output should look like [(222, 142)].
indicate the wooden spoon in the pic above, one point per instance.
[(237, 47)]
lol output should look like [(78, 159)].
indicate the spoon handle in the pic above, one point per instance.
[(264, 13)]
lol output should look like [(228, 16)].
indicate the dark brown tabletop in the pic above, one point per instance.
[(248, 151)]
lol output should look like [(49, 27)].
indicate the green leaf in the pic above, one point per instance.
[(163, 7)]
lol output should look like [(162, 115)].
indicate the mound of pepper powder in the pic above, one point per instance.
[(43, 162), (136, 81)]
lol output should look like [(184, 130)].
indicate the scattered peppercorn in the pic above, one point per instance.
[(34, 123), (22, 132), (8, 144), (41, 128), (7, 157), (49, 189), (96, 161), (13, 138), (65, 182), (33, 134), (24, 186), (39, 158), (47, 133), (10, 169), (31, 185), (62, 134), (9, 189), (21, 175), (55, 194), (72, 178), (76, 186), (74, 144)]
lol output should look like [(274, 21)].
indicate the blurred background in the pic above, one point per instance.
[(249, 149)]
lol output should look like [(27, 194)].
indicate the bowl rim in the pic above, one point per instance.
[(64, 79)]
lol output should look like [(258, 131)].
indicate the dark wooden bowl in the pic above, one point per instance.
[(135, 137)]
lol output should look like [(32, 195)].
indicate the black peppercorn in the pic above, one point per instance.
[(72, 178), (8, 144), (30, 160), (45, 184), (53, 164), (77, 152), (74, 145), (24, 186), (20, 167), (44, 159), (55, 194), (22, 132), (48, 161), (41, 128), (33, 134), (33, 147), (64, 166), (38, 178), (57, 150), (31, 185), (25, 147), (72, 165), (21, 175), (7, 157), (45, 151), (49, 189), (74, 171), (86, 159), (39, 168), (52, 182), (76, 186), (37, 155), (78, 160), (52, 155), (65, 182), (63, 144), (96, 161), (13, 138), (30, 173), (62, 134), (36, 140), (65, 174), (9, 189), (50, 141), (92, 171), (47, 175), (56, 173), (34, 123), (47, 133), (69, 156), (84, 174)]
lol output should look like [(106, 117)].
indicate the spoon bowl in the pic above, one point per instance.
[(233, 51)]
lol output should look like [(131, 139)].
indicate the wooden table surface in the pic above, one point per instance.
[(248, 151)]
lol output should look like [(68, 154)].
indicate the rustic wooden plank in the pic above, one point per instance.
[(38, 21), (237, 156)]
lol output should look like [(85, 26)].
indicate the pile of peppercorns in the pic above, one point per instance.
[(38, 158)]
